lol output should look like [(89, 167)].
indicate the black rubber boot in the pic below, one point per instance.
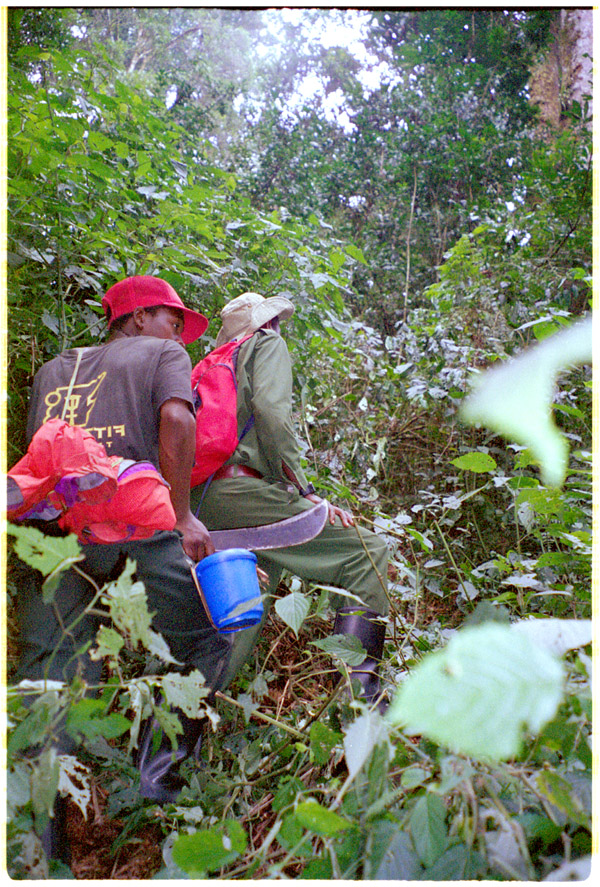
[(159, 768), (368, 627), (54, 837)]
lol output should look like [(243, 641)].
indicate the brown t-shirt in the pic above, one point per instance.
[(117, 394)]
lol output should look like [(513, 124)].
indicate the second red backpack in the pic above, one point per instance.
[(214, 385)]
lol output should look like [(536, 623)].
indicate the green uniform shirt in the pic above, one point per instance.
[(264, 374)]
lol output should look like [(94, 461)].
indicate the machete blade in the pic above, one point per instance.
[(291, 531)]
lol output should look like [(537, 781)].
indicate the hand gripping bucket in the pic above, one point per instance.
[(228, 585)]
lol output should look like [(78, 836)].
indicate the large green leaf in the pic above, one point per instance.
[(128, 608), (293, 610), (392, 857), (475, 461), (515, 398), (89, 718), (557, 635), (361, 737), (347, 648), (478, 694), (186, 692), (45, 553), (319, 819), (322, 742), (428, 828), (209, 849)]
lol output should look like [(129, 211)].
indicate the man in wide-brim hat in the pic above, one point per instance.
[(264, 482)]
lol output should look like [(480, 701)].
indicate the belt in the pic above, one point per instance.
[(236, 471)]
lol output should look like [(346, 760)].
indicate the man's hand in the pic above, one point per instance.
[(334, 511), (196, 541)]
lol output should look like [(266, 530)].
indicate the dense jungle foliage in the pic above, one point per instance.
[(428, 226)]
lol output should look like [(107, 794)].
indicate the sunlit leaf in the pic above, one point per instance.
[(478, 694), (556, 635), (475, 461), (346, 647), (293, 609), (45, 553), (319, 819), (515, 399), (428, 828), (361, 737), (209, 849), (187, 692)]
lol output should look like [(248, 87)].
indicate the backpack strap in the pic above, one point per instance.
[(72, 382)]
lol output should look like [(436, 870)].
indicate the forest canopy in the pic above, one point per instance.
[(418, 182)]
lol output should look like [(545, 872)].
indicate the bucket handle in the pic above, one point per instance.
[(201, 593)]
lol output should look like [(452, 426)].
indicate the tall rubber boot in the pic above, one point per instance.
[(368, 627), (54, 837), (159, 768)]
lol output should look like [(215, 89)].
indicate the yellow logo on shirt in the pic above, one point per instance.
[(79, 408), (80, 403)]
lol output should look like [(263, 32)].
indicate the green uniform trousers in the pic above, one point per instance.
[(338, 556)]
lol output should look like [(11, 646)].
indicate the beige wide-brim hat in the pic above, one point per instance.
[(248, 312)]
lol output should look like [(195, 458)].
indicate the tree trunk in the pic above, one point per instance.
[(564, 75)]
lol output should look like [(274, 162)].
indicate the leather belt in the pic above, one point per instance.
[(236, 471)]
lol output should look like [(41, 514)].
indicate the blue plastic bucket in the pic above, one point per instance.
[(228, 583)]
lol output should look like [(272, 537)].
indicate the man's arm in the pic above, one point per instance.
[(176, 446)]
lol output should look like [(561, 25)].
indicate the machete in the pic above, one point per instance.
[(291, 531)]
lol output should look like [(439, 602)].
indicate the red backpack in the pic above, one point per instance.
[(66, 476), (214, 384)]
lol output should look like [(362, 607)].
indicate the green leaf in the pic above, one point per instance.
[(320, 820), (88, 718), (414, 776), (36, 727), (318, 870), (457, 863), (322, 741), (560, 793), (128, 608), (18, 788), (515, 398), (361, 737), (44, 782), (478, 694), (293, 610), (347, 648), (393, 857), (425, 543), (428, 828), (557, 635), (290, 836), (209, 849), (186, 692), (109, 643), (287, 791), (475, 461), (356, 253), (48, 554)]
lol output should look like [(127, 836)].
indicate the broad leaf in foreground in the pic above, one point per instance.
[(515, 398), (478, 694)]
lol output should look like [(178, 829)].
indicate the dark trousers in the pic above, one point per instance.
[(52, 645)]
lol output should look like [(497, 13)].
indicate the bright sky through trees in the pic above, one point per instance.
[(343, 28)]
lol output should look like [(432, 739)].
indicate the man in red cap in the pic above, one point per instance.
[(133, 394)]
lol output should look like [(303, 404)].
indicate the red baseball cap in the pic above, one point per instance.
[(150, 292)]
